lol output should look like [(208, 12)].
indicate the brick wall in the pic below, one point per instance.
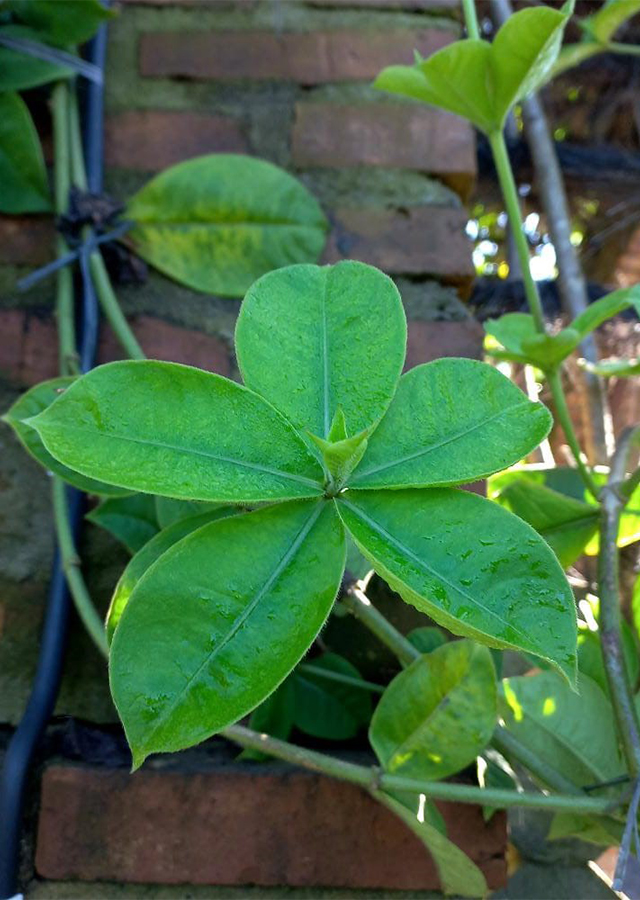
[(287, 81)]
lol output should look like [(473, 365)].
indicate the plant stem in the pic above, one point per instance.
[(338, 677), (62, 183), (511, 748), (373, 779), (512, 202), (510, 194), (357, 602), (471, 19), (111, 308), (71, 567), (106, 295), (554, 379), (610, 617)]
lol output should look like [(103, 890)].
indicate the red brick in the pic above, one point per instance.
[(408, 136), (29, 348), (233, 824), (433, 340), (308, 59), (420, 241), (26, 240), (150, 140)]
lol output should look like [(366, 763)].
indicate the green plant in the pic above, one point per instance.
[(249, 500)]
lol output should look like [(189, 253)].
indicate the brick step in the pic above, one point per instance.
[(240, 824)]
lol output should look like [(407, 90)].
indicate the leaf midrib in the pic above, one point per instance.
[(301, 479), (242, 618), (443, 443)]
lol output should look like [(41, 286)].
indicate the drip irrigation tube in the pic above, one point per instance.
[(21, 750)]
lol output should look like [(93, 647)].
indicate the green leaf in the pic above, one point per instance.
[(567, 481), (458, 874), (574, 733), (604, 23), (523, 343), (164, 428), (22, 172), (427, 638), (34, 401), (151, 551), (21, 71), (454, 78), (566, 524), (482, 81), (438, 714), (170, 511), (601, 830), (451, 421), (220, 620), (329, 709), (131, 520), (64, 22), (339, 344), (635, 605), (606, 308), (218, 222), (473, 567)]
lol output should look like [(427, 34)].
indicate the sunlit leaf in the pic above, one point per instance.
[(568, 481), (471, 566), (573, 732), (218, 222), (22, 172), (566, 524), (339, 344), (438, 714), (451, 421), (482, 81), (34, 401), (168, 429), (149, 553), (225, 614)]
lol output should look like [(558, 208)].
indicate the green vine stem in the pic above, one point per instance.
[(554, 380), (471, 19), (613, 502), (373, 779), (104, 290), (62, 182), (359, 605), (339, 678), (510, 196), (71, 566)]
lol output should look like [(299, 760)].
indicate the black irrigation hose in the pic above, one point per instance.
[(25, 740)]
